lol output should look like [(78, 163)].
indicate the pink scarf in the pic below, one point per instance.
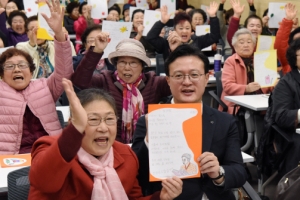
[(107, 184), (133, 107)]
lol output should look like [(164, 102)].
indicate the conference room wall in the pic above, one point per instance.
[(260, 5)]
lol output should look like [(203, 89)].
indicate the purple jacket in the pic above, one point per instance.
[(12, 37)]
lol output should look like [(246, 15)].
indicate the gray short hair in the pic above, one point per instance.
[(242, 31), (187, 155)]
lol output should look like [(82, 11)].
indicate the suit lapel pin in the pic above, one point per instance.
[(212, 122)]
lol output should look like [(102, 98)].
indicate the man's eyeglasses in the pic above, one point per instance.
[(10, 66), (131, 64), (109, 121), (192, 76)]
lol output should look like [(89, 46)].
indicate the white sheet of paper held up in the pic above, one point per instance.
[(203, 30), (117, 32), (276, 14), (150, 17), (168, 144), (142, 4), (31, 8), (171, 4), (99, 8)]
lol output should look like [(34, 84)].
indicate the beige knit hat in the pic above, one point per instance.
[(129, 47)]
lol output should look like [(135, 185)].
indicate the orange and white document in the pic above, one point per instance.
[(16, 160), (175, 140)]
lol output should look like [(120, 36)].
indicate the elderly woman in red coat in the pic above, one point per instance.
[(85, 161)]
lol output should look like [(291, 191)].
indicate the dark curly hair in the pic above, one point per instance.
[(15, 52), (291, 55), (182, 16), (81, 6), (14, 14), (200, 11), (71, 6)]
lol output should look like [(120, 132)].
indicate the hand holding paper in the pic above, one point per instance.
[(101, 42), (171, 188), (209, 165), (213, 8), (252, 87), (56, 19)]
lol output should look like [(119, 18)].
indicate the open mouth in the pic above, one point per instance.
[(187, 91), (127, 75), (101, 140), (184, 37), (18, 78)]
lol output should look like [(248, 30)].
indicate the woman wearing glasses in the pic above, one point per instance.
[(96, 166), (28, 106), (132, 89)]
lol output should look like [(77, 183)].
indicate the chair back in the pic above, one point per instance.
[(18, 184)]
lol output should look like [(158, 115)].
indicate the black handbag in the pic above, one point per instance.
[(289, 186)]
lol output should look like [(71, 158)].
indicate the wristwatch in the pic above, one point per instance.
[(221, 174)]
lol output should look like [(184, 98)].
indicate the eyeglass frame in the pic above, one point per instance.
[(14, 66), (181, 79), (105, 121), (129, 63)]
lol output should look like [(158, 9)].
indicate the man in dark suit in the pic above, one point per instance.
[(221, 162)]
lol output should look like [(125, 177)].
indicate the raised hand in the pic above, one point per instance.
[(2, 10), (171, 188), (290, 11), (237, 8), (164, 14), (212, 9), (174, 40), (56, 19), (101, 41), (222, 1), (250, 2), (78, 114)]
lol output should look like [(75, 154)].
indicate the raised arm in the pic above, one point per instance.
[(221, 17), (63, 51), (282, 36), (153, 37), (235, 21), (52, 154), (3, 28), (214, 35), (252, 10), (83, 77)]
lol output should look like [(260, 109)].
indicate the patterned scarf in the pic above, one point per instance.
[(107, 184), (133, 107), (45, 67)]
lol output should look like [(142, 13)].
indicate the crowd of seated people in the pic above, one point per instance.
[(114, 92)]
